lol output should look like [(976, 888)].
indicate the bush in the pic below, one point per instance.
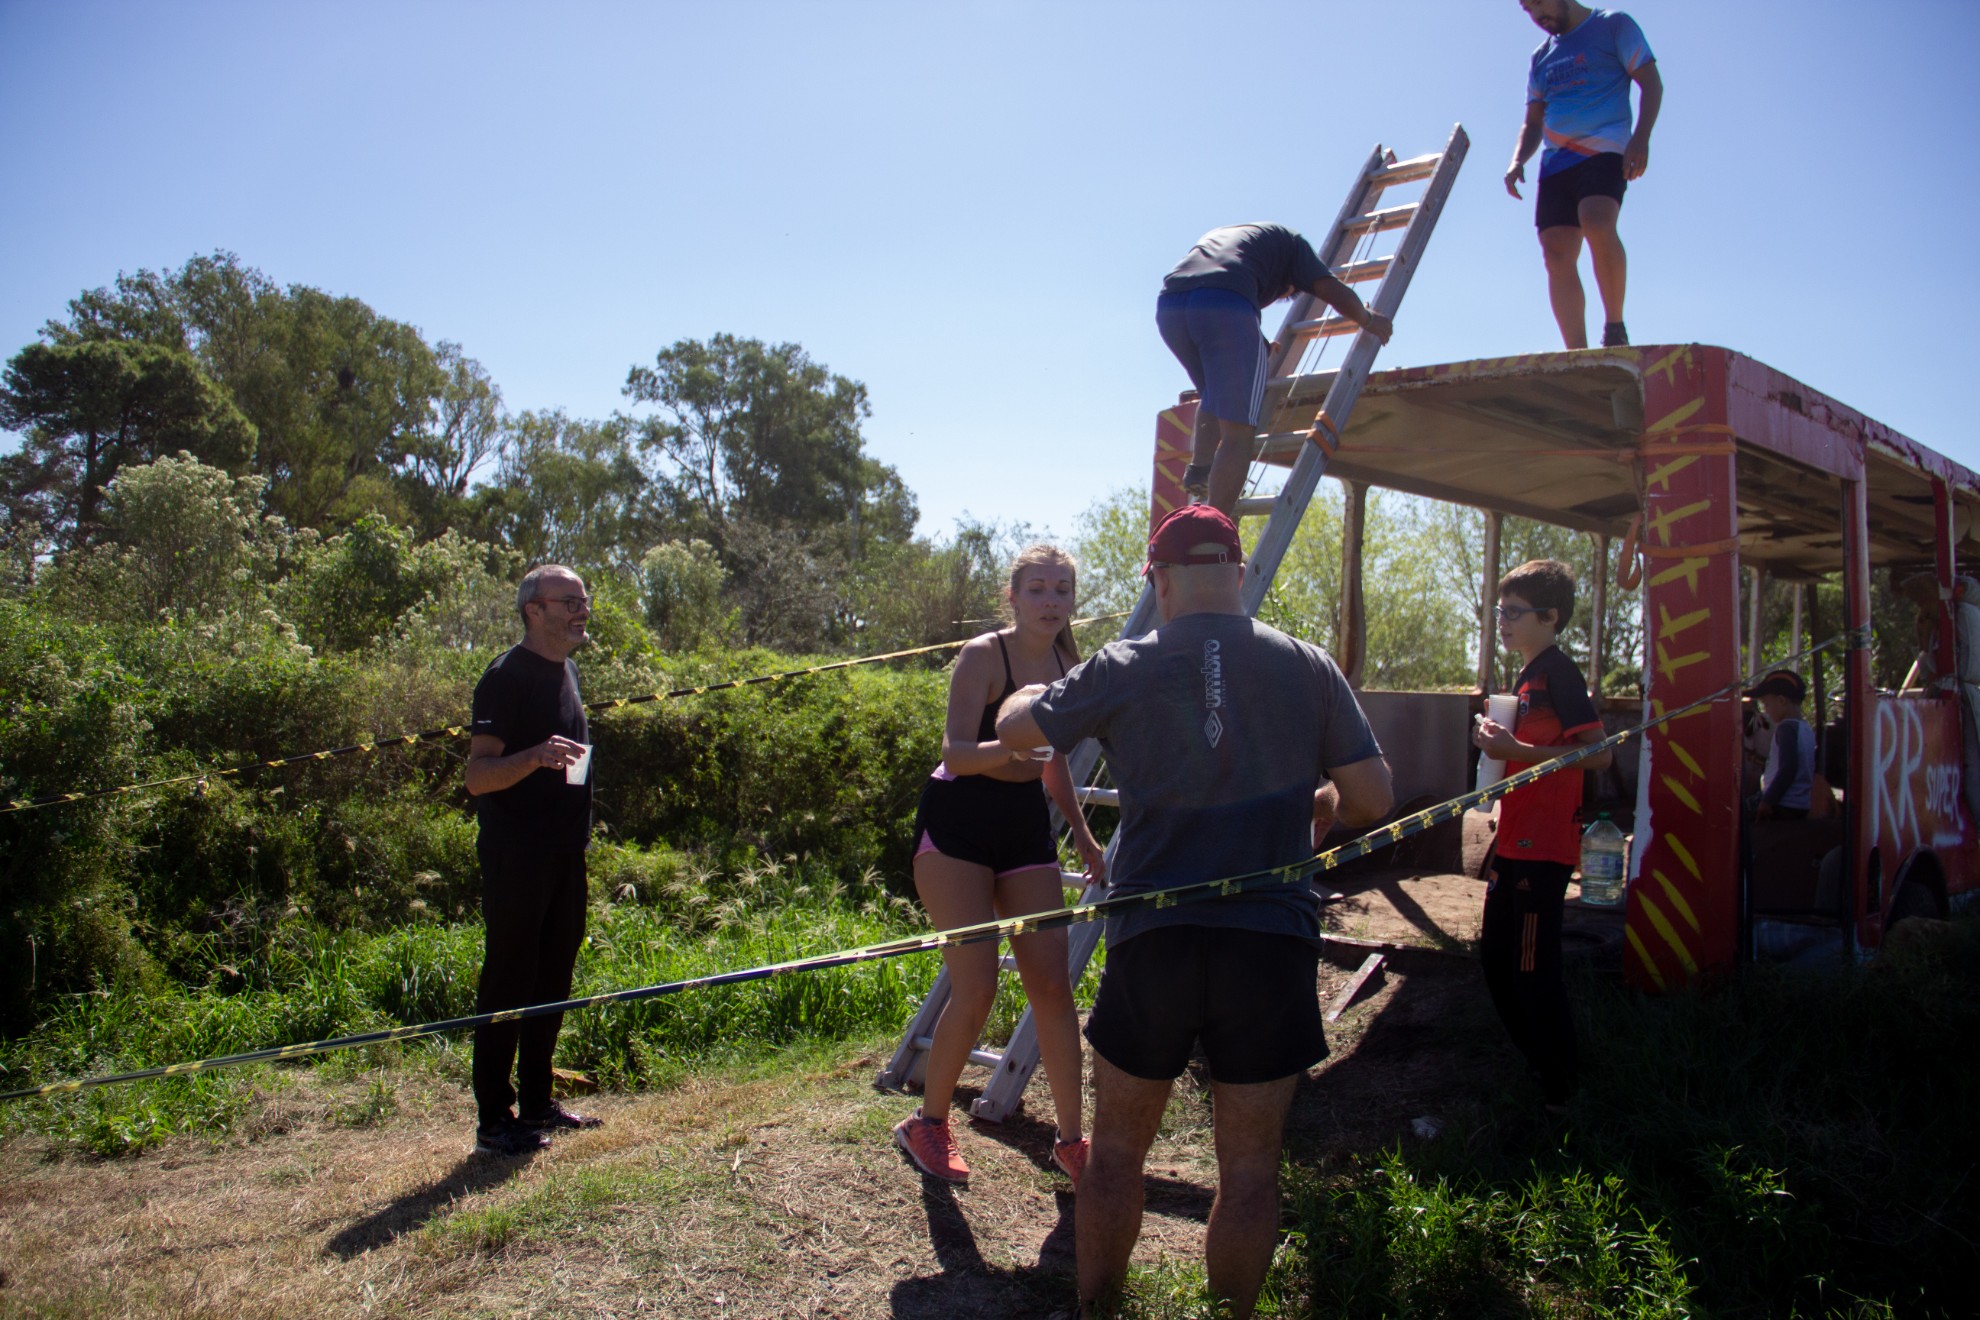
[(826, 768)]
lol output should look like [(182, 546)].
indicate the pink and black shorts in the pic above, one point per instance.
[(992, 822)]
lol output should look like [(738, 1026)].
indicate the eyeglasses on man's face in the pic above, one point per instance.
[(572, 604), (1513, 613)]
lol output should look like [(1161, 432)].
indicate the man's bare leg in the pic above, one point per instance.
[(1244, 1221), (1232, 466), (1605, 252), (1560, 245), (1127, 1110)]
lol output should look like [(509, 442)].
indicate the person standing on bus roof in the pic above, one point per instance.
[(1208, 314), (1577, 99), (1539, 838)]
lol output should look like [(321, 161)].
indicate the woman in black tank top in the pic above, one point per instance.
[(984, 850)]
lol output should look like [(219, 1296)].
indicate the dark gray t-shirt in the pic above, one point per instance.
[(1217, 729), (1262, 262)]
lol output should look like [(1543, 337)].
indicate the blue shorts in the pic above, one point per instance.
[(1214, 334)]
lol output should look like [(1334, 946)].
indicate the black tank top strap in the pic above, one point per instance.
[(986, 730)]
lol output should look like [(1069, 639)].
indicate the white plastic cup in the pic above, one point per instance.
[(1501, 708), (1042, 753), (575, 772)]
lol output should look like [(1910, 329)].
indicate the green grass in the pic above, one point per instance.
[(313, 986), (1788, 1146)]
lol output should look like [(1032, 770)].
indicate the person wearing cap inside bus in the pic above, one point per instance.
[(1218, 731), (1787, 785)]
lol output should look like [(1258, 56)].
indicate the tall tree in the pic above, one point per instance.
[(762, 433), (465, 430), (355, 412), (569, 491), (86, 410)]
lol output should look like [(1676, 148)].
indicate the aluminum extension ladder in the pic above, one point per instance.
[(1362, 218)]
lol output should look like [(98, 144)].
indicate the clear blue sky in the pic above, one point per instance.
[(969, 206)]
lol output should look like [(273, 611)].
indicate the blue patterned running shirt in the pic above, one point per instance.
[(1583, 77)]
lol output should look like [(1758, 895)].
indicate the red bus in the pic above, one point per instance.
[(1707, 468)]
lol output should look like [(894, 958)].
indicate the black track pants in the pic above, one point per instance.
[(1521, 950), (532, 904)]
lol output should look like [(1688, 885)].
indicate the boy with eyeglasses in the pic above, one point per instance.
[(1539, 837)]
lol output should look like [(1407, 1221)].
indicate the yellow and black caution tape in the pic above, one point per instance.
[(1394, 832), (459, 730)]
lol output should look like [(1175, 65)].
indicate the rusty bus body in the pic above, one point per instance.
[(1726, 463)]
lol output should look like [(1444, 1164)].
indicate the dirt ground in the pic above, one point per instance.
[(774, 1196)]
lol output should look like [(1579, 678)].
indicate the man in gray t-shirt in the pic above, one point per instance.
[(1219, 732)]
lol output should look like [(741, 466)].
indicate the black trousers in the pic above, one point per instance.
[(1521, 951), (532, 905)]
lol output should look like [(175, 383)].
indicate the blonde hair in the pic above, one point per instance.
[(1043, 555)]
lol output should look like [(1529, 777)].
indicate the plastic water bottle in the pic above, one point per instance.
[(1603, 862)]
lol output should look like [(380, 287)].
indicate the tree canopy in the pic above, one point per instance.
[(87, 410)]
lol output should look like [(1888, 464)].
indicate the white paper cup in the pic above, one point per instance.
[(575, 772), (1501, 708), (1042, 753)]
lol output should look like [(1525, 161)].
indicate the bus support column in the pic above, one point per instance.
[(1683, 913), (1351, 614), (1866, 907), (1945, 653), (1488, 622)]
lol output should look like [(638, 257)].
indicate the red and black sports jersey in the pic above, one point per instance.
[(1537, 823)]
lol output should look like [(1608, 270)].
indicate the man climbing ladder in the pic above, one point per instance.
[(1209, 313)]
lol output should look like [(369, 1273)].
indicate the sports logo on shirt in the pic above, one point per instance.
[(1212, 670)]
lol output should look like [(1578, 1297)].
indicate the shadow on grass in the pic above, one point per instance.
[(970, 1286), (411, 1211)]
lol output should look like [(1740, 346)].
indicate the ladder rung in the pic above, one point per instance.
[(1377, 222), (1099, 797), (1360, 272), (1406, 171), (1322, 327), (1258, 506), (983, 1058), (1281, 444), (1315, 383)]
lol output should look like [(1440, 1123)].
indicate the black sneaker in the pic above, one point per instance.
[(1196, 480), (1615, 335), (558, 1119), (506, 1137)]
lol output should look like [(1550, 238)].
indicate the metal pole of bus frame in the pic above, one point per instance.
[(1598, 613), (1945, 652), (1351, 618), (1488, 631), (1800, 595), (1753, 620), (1857, 709), (1819, 686)]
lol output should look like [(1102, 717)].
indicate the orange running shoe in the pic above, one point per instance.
[(1070, 1156), (932, 1148)]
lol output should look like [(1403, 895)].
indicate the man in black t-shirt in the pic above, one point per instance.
[(529, 772), (1208, 314)]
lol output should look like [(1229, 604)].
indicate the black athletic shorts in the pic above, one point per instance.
[(1249, 996), (1559, 199), (992, 822)]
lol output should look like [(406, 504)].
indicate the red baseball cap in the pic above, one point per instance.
[(1181, 537)]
